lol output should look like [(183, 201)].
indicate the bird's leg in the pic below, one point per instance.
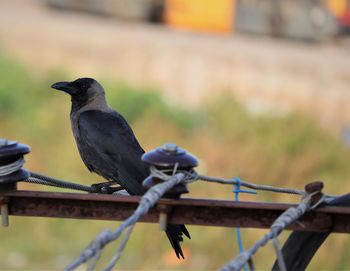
[(107, 187)]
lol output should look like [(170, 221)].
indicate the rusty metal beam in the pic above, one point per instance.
[(188, 211)]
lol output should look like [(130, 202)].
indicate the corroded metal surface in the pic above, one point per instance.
[(189, 211)]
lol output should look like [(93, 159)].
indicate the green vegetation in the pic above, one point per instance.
[(288, 151)]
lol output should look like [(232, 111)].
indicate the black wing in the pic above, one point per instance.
[(108, 147)]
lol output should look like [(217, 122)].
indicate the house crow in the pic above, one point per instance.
[(107, 145)]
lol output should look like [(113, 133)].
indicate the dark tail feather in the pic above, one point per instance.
[(174, 233), (185, 231)]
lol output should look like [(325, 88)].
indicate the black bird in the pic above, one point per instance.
[(107, 144)]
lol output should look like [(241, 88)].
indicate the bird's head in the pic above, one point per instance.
[(82, 90)]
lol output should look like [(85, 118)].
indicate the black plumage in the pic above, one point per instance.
[(112, 155), (107, 144)]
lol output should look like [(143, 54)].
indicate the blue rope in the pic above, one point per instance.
[(237, 189)]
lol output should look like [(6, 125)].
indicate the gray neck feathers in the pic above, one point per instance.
[(97, 102)]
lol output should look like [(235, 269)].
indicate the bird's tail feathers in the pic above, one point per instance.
[(175, 233)]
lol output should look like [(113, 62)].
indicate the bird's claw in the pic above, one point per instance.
[(106, 188)]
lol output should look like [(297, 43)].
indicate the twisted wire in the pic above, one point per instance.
[(250, 185), (37, 178), (286, 218), (13, 167), (148, 200), (171, 178)]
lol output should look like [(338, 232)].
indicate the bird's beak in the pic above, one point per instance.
[(65, 86)]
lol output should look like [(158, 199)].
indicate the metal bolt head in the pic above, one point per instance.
[(3, 142), (170, 147), (314, 186)]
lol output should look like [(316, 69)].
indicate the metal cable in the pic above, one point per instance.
[(45, 180), (280, 259), (148, 200), (37, 178), (286, 218), (195, 176), (250, 185), (120, 249), (172, 178), (13, 167)]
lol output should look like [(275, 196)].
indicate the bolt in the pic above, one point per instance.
[(4, 215), (164, 210), (3, 142), (314, 186), (163, 218), (4, 210), (170, 147)]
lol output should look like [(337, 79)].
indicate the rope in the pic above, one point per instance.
[(148, 200), (286, 218), (13, 167)]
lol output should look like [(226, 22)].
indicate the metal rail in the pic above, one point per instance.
[(188, 211)]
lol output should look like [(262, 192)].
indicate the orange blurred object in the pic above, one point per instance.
[(201, 15), (337, 7), (340, 9)]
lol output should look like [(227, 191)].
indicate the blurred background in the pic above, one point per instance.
[(254, 88)]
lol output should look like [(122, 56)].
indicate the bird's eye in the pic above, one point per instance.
[(83, 86)]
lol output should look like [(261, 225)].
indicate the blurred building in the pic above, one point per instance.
[(312, 20)]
